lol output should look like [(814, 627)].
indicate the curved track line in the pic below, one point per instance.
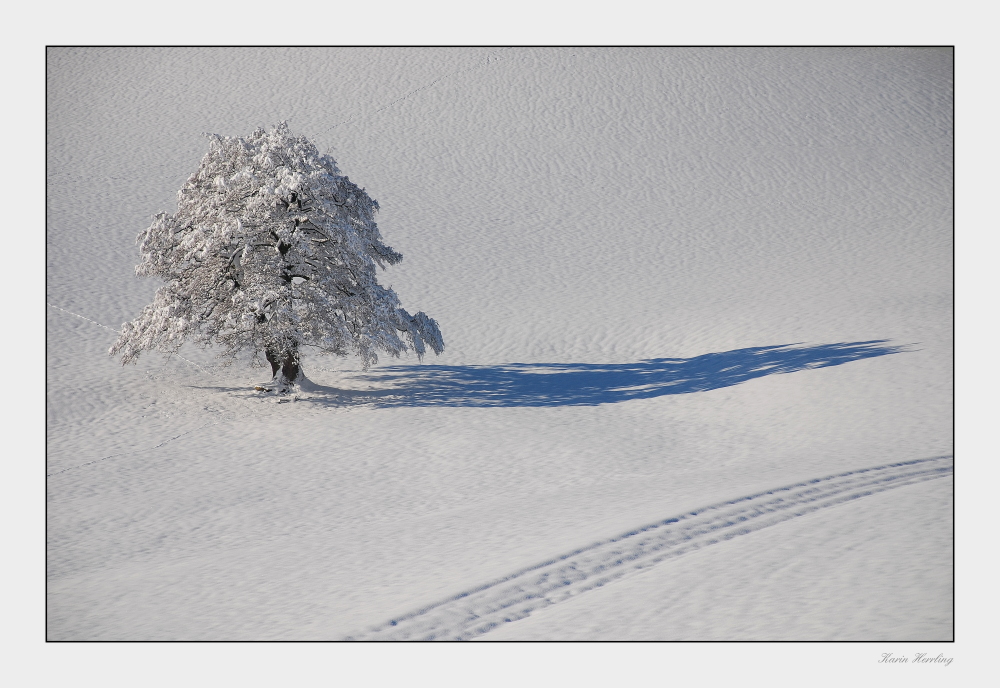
[(514, 597)]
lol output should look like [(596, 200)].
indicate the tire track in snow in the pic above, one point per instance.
[(477, 611)]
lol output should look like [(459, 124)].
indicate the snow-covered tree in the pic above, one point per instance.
[(272, 249)]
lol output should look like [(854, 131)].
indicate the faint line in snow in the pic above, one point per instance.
[(416, 90), (119, 332), (133, 451), (479, 610), (157, 446), (82, 317)]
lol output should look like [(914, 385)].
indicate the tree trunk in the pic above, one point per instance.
[(286, 366)]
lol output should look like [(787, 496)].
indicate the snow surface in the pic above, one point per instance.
[(586, 225)]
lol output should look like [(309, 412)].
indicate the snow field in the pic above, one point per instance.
[(553, 206)]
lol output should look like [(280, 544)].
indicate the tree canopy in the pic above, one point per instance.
[(271, 249)]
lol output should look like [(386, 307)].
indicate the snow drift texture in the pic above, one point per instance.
[(669, 279)]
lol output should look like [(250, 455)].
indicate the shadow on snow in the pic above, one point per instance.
[(587, 384)]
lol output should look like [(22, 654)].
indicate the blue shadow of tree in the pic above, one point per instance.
[(589, 384)]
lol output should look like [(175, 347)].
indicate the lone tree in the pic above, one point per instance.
[(272, 249)]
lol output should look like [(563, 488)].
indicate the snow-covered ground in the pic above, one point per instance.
[(671, 282)]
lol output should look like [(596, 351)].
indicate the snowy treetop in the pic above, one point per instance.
[(271, 248)]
